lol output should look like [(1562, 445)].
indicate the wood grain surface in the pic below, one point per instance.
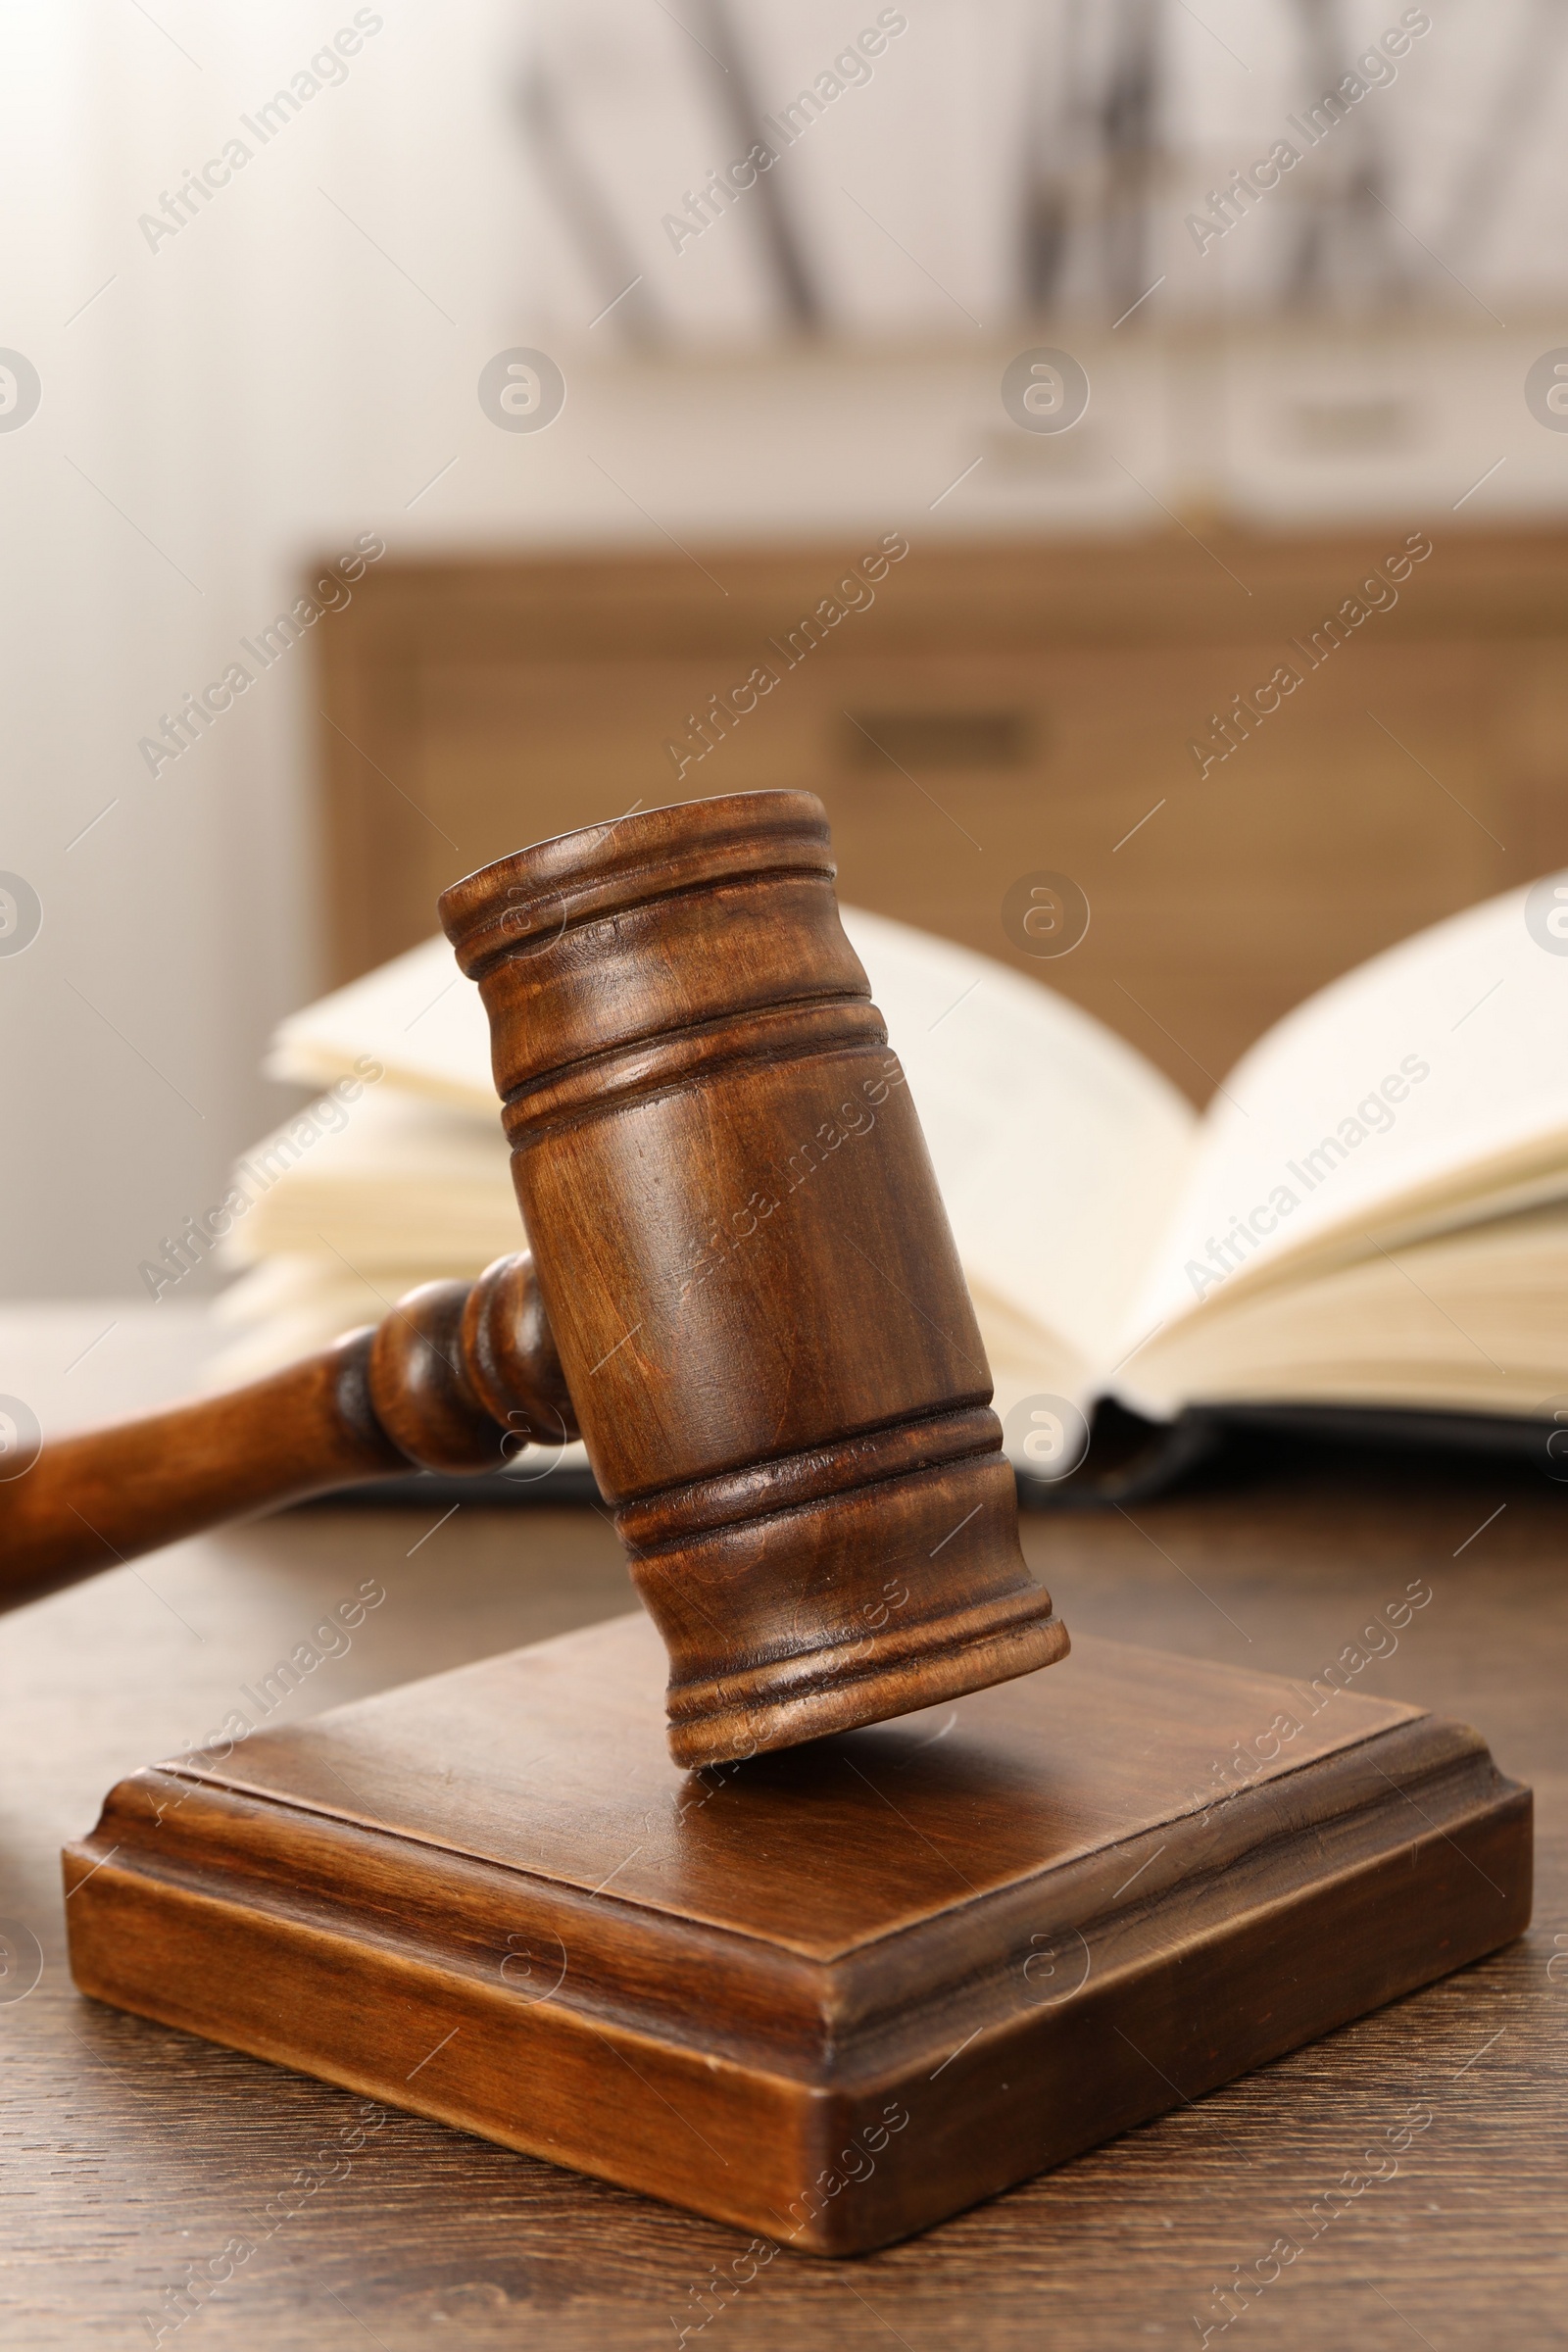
[(833, 1995), (748, 1272), (458, 1377), (135, 2153), (783, 1390)]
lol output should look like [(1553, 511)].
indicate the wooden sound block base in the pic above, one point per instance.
[(830, 1995)]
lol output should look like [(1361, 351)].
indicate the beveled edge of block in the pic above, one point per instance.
[(299, 1859), (1108, 1987), (1131, 2033)]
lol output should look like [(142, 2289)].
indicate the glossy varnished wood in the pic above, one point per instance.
[(747, 1297), (132, 2151), (497, 1881), (458, 1377), (748, 1272)]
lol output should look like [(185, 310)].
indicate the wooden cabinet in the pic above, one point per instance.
[(1019, 708)]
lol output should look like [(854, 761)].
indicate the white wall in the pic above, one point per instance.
[(252, 391)]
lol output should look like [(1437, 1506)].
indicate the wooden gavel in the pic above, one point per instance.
[(743, 1293)]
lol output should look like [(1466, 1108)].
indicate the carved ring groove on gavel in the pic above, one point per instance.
[(743, 1293)]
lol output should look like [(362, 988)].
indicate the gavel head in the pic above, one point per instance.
[(744, 1260)]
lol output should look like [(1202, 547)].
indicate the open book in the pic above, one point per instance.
[(1373, 1211)]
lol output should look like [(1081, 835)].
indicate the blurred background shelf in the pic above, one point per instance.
[(999, 708), (236, 387)]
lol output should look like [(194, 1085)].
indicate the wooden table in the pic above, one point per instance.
[(134, 2152)]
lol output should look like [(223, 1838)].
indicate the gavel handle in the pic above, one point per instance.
[(456, 1377)]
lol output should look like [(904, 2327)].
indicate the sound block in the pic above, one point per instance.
[(831, 1994)]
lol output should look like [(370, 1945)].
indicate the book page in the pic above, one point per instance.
[(1056, 1146), (410, 1188), (1472, 1321), (417, 1016), (1428, 1087)]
